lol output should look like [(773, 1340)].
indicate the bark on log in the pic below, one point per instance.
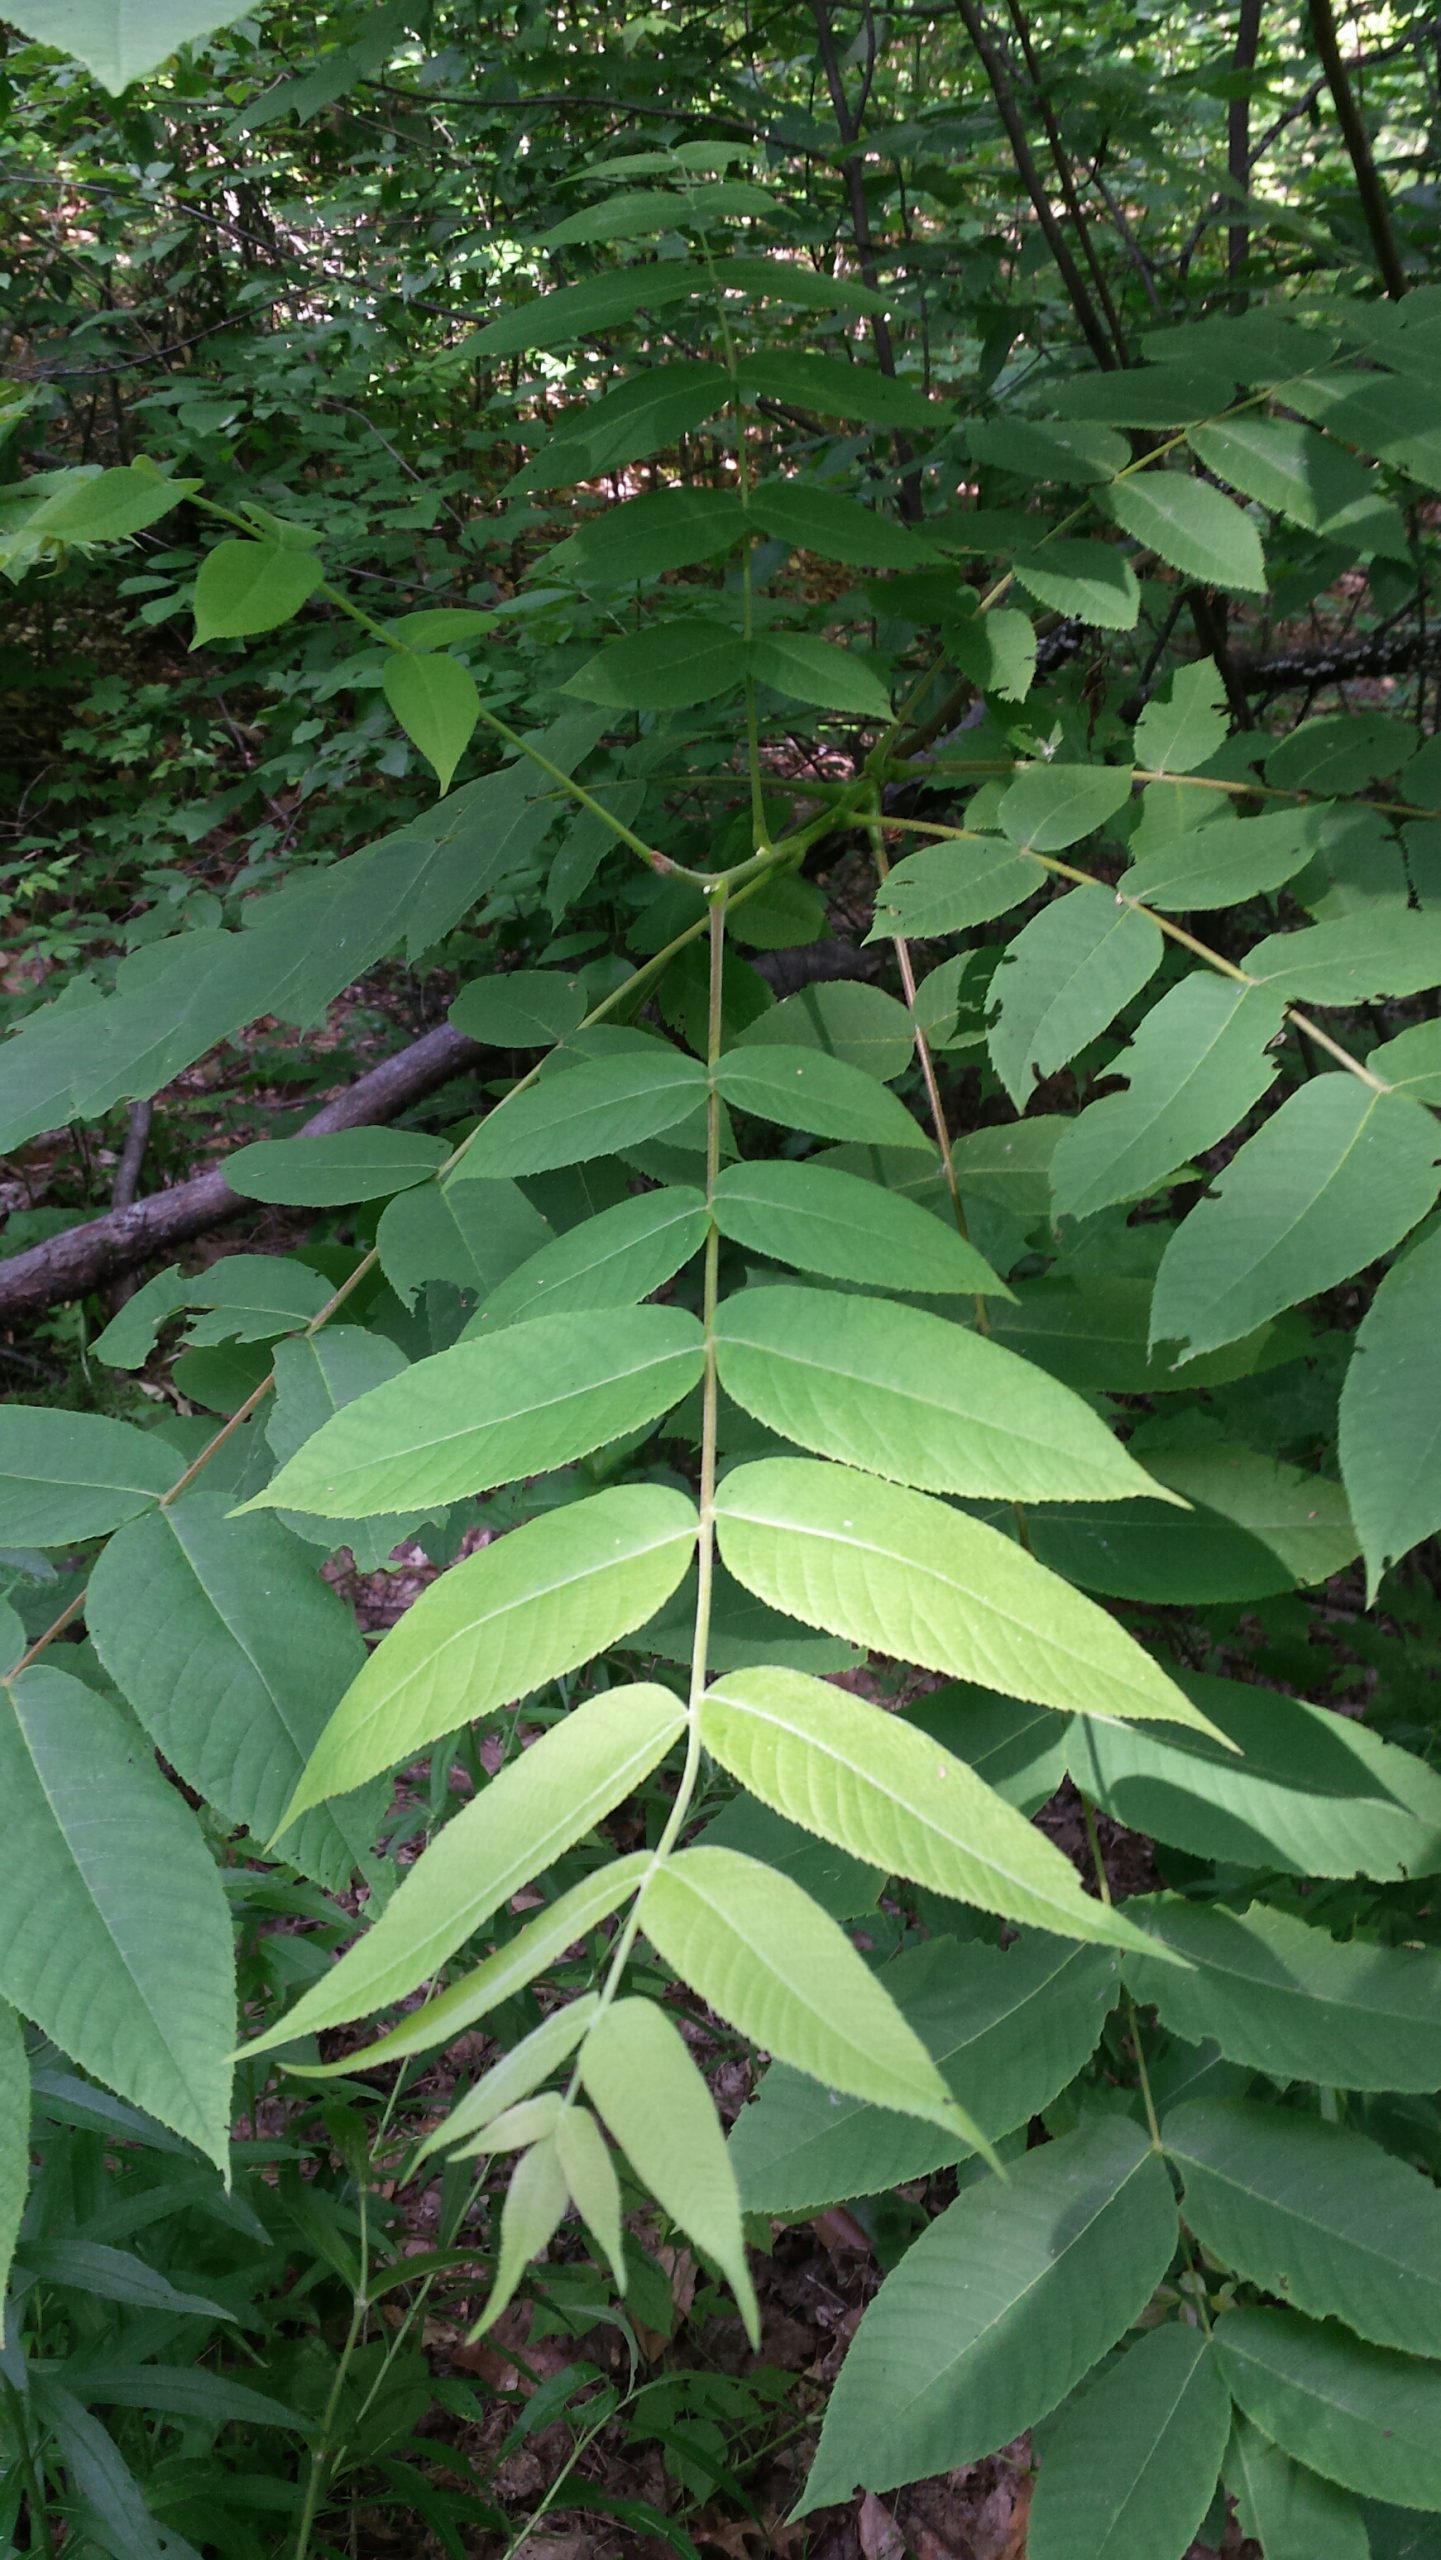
[(66, 1266)]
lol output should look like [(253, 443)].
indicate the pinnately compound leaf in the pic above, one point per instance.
[(533, 1605), (908, 1576), (539, 1804), (998, 2310)]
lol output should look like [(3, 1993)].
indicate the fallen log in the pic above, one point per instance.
[(65, 1266)]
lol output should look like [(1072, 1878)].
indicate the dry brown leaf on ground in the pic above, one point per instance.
[(880, 2536)]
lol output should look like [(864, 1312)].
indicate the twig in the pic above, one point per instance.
[(1010, 114), (1238, 145), (1358, 143)]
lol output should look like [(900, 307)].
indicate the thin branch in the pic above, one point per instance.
[(993, 64), (848, 125), (1238, 143), (1066, 175), (1358, 143)]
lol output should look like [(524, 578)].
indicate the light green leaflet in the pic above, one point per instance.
[(670, 666), (1380, 951), (14, 2136), (86, 505), (1008, 2032), (1051, 806), (1290, 1999), (947, 887), (1191, 526), (315, 1375), (539, 1805), (472, 1234), (114, 1932), (817, 672), (1287, 466), (812, 518), (848, 1019), (1359, 2414), (667, 528), (998, 2309), (233, 1652), (1129, 2467), (1228, 859), (1178, 730), (1093, 580), (594, 2186), (906, 1575), (577, 310), (1412, 1061), (1063, 980), (535, 2201), (521, 1009), (1300, 1517), (1293, 2513), (536, 1603), (248, 587), (518, 1960), (1195, 1066), (908, 1395), (1315, 2213), (484, 1413), (65, 1476), (585, 1110), (641, 415), (819, 1219), (836, 388), (521, 2070), (762, 1954), (1337, 1177), (804, 1089), (611, 1260), (891, 1795), (637, 2070), (1310, 1792), (351, 1164), (1391, 1412)]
